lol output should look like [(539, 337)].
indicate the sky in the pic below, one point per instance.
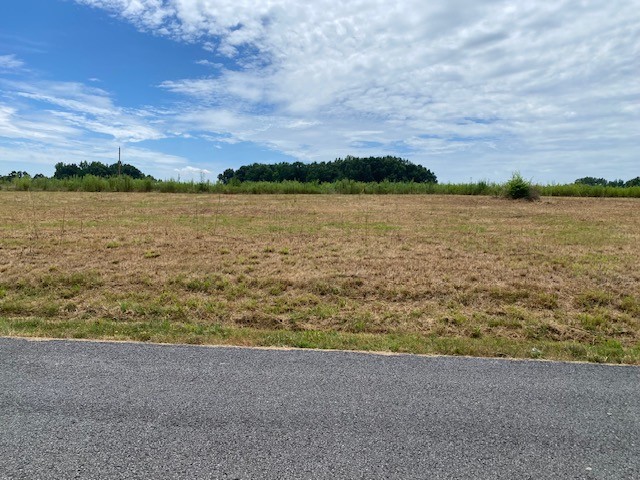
[(473, 90)]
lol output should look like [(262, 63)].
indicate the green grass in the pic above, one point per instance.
[(605, 351)]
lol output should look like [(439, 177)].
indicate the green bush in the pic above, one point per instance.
[(518, 188)]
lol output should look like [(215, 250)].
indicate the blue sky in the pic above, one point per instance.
[(472, 90)]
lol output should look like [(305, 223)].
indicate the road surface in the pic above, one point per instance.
[(125, 410)]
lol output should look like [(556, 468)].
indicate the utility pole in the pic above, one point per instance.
[(119, 163)]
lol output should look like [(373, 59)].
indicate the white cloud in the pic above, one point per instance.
[(468, 88), (42, 123), (209, 63), (72, 106), (149, 159), (193, 173), (462, 80), (34, 127), (189, 169), (230, 87), (68, 95), (10, 62)]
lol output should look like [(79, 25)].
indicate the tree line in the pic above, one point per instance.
[(71, 170), (367, 170), (97, 169), (371, 169), (602, 182), (16, 174)]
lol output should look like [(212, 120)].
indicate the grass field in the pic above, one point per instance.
[(464, 275)]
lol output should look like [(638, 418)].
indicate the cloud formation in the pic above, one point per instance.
[(70, 106), (10, 62), (192, 173), (441, 81), (69, 121), (467, 88)]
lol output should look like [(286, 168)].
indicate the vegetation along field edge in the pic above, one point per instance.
[(608, 351), (351, 175), (91, 183)]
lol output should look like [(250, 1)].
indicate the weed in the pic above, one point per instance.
[(610, 351), (592, 322), (207, 284), (76, 281), (456, 319), (476, 333), (14, 307), (536, 353), (628, 304), (591, 299), (70, 307), (544, 300), (509, 296), (49, 310), (323, 288)]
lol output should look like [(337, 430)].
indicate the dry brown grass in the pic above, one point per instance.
[(563, 269)]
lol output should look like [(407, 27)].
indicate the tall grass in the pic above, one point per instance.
[(581, 190), (90, 183)]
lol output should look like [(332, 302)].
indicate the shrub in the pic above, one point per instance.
[(519, 188)]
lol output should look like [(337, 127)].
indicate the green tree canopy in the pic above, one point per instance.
[(371, 169), (98, 169), (602, 182)]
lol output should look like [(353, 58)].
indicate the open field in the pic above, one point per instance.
[(559, 278)]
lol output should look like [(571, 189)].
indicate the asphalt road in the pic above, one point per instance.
[(117, 410)]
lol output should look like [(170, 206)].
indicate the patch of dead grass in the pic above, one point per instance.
[(559, 270)]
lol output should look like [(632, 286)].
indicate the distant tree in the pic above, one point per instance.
[(15, 174), (592, 181), (97, 169), (226, 176), (634, 182), (130, 170), (602, 182), (371, 169), (64, 170)]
